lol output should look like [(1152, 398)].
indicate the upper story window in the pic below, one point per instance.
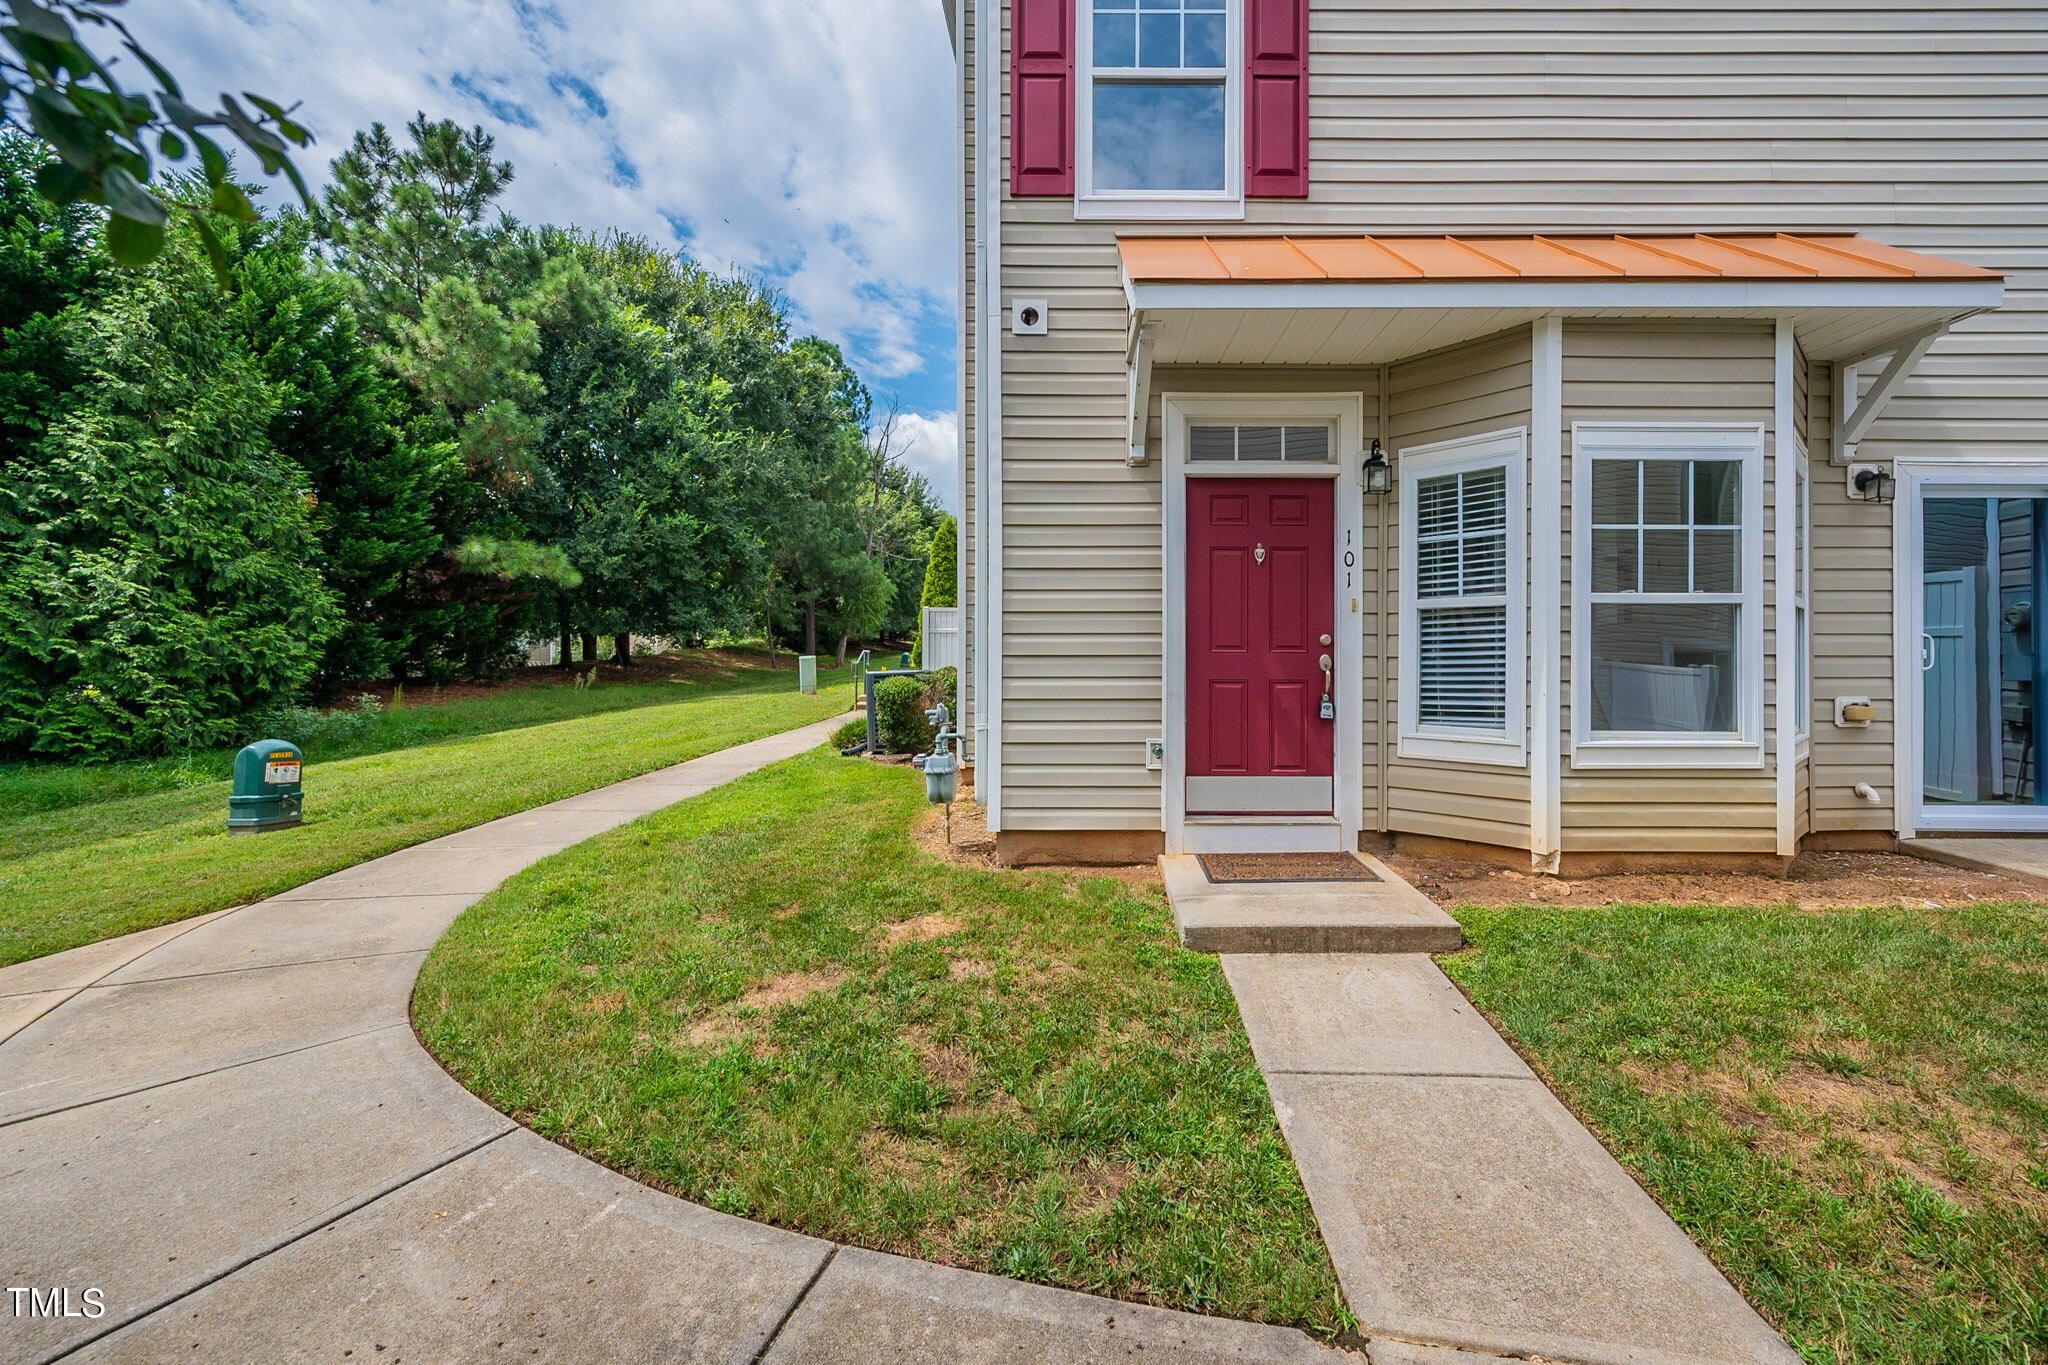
[(1159, 123), (1159, 108)]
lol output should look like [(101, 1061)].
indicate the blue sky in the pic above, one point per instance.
[(810, 142)]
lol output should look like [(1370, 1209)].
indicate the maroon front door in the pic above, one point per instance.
[(1261, 613)]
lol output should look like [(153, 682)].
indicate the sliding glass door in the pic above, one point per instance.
[(1983, 561)]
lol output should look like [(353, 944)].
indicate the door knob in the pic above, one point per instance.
[(1329, 673)]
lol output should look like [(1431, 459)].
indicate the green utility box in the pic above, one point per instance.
[(266, 794)]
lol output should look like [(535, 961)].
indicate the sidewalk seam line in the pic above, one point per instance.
[(340, 1211), (768, 1342), (210, 1071), (76, 991), (1411, 1075), (252, 967)]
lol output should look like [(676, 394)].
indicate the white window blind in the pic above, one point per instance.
[(1461, 587), (1463, 654)]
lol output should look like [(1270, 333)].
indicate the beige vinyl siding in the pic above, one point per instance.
[(1665, 372), (1925, 127), (1081, 565), (1852, 634), (1464, 391)]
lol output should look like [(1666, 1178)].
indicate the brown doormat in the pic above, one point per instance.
[(1285, 867)]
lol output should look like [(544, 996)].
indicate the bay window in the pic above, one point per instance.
[(1667, 570), (1464, 562)]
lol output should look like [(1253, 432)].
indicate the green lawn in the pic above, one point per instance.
[(91, 852), (1847, 1109), (767, 1000)]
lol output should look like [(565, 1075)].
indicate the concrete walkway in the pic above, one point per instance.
[(226, 1128), (1464, 1206), (2017, 855)]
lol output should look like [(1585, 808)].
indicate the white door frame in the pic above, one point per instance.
[(1917, 481), (1266, 833)]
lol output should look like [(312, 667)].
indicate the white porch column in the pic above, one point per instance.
[(1784, 646), (1546, 591)]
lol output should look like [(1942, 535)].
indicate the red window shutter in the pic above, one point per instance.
[(1276, 99), (1041, 97)]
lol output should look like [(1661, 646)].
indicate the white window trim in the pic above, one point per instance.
[(1742, 748), (1491, 450), (1159, 205)]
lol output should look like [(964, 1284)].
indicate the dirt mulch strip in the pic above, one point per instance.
[(1817, 881)]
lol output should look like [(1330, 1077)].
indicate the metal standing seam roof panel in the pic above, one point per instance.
[(1658, 256)]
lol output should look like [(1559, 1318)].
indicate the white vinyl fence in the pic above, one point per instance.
[(943, 647)]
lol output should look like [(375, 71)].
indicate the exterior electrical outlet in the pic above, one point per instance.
[(268, 791)]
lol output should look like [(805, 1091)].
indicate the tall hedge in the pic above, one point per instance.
[(158, 559), (941, 577)]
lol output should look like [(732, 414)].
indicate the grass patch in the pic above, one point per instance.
[(92, 852), (766, 1000), (1848, 1109)]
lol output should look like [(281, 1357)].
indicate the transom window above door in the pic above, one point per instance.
[(1159, 121), (1236, 444)]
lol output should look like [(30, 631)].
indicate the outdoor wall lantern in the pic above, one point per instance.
[(1871, 483), (1378, 474)]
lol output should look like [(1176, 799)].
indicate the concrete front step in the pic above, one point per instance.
[(1386, 916)]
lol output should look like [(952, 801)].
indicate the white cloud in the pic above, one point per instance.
[(931, 447), (811, 143)]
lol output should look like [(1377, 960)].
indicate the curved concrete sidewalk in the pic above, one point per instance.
[(226, 1127)]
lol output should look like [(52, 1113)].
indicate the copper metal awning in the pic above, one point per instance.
[(1366, 300), (1361, 259)]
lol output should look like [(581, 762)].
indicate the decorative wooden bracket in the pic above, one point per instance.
[(1138, 357), (1853, 417)]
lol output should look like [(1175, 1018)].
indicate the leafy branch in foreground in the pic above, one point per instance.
[(54, 86)]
